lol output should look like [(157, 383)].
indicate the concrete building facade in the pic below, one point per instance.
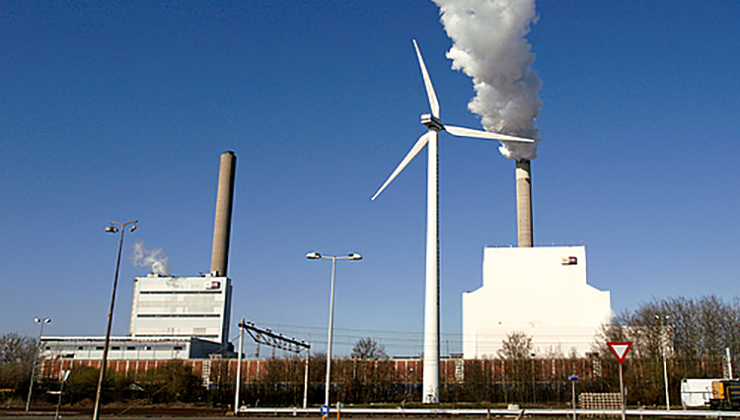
[(127, 348), (171, 318), (541, 292), (178, 307)]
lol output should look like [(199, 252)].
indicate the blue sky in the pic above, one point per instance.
[(120, 111)]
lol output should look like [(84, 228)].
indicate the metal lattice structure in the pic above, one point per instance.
[(269, 338)]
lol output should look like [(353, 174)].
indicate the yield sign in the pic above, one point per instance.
[(620, 349)]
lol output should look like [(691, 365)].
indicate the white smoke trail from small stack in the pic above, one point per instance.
[(489, 45), (155, 260)]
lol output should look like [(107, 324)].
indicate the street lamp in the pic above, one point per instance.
[(333, 258), (665, 364), (41, 321), (111, 229)]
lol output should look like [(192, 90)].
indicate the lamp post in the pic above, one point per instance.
[(41, 321), (333, 258), (665, 364), (111, 229), (534, 380), (239, 367)]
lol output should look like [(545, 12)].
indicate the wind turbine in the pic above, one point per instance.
[(431, 301)]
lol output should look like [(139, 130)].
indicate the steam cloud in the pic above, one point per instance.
[(489, 46), (155, 259)]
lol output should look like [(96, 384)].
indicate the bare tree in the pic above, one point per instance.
[(369, 349), (694, 334), (517, 350), (16, 357), (516, 346)]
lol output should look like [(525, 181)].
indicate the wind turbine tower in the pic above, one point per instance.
[(431, 301)]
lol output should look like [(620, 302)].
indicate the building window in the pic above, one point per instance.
[(115, 348), (80, 348), (98, 347), (131, 348), (178, 347), (147, 347)]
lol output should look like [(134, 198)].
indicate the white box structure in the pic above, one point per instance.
[(127, 348), (179, 307), (541, 292)]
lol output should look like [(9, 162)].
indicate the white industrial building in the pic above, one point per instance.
[(176, 307), (127, 348), (171, 318), (541, 292)]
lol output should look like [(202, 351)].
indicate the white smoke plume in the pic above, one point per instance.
[(489, 45), (155, 259)]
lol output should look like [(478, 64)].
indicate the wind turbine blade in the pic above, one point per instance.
[(423, 140), (469, 132), (433, 103)]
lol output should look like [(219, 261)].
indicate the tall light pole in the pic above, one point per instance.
[(534, 380), (665, 364), (41, 321), (111, 229), (239, 367), (333, 258)]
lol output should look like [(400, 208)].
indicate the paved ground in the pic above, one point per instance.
[(122, 413)]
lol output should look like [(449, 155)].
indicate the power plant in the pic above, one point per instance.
[(173, 317), (542, 292), (539, 291)]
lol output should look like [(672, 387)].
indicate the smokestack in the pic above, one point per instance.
[(222, 225), (524, 203), (489, 44)]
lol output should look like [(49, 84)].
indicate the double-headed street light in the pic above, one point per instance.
[(333, 258), (41, 321), (114, 227)]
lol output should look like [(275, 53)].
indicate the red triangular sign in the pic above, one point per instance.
[(620, 349)]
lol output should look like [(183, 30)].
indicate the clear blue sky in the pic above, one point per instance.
[(120, 112)]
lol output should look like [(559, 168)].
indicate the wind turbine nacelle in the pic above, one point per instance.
[(432, 122)]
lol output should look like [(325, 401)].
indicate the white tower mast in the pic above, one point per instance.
[(431, 301)]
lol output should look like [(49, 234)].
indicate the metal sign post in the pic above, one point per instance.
[(620, 350), (63, 378), (573, 379)]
